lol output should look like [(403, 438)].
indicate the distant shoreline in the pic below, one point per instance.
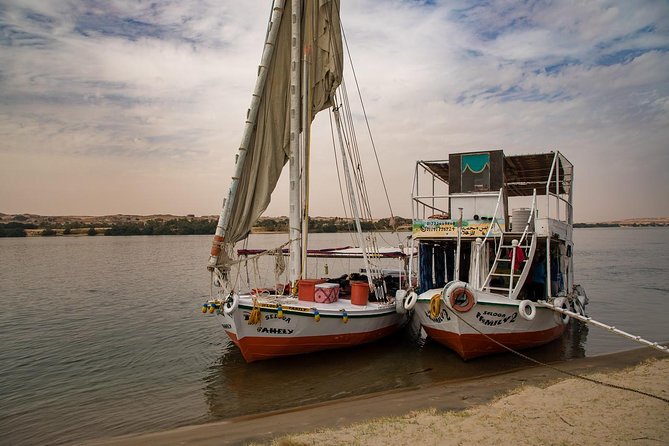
[(32, 225)]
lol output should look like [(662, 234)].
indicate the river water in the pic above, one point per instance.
[(103, 336)]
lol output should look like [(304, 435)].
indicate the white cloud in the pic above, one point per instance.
[(162, 92)]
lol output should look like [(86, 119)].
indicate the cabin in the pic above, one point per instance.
[(498, 222)]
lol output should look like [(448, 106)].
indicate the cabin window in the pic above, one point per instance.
[(475, 170)]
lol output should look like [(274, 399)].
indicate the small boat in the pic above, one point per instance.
[(299, 75), (494, 237)]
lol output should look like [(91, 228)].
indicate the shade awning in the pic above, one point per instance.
[(523, 173)]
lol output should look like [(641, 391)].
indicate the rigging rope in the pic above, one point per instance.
[(557, 369), (369, 130)]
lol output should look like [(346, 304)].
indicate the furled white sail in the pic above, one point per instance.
[(268, 148)]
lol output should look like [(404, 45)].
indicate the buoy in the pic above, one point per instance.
[(212, 308), (317, 316), (410, 300), (279, 311), (459, 297), (344, 316), (204, 308), (523, 310), (231, 304), (435, 306), (400, 295), (563, 304)]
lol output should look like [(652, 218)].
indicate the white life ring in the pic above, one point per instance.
[(231, 304), (562, 303), (524, 306), (400, 296), (410, 300), (454, 293)]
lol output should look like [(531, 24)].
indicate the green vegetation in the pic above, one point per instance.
[(596, 225), (333, 224), (15, 229), (36, 225), (135, 225), (180, 226)]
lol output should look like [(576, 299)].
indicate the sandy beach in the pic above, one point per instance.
[(536, 405), (572, 411)]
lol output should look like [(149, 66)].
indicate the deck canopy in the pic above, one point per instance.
[(524, 173)]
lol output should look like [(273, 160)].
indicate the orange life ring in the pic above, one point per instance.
[(456, 292)]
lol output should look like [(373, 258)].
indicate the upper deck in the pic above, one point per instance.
[(487, 189)]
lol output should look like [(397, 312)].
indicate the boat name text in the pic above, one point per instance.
[(503, 318), (284, 331)]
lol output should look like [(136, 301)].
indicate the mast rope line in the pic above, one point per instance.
[(369, 130), (557, 369)]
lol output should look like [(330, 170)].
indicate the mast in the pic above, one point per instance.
[(251, 120), (307, 51), (295, 196)]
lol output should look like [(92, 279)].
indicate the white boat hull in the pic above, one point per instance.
[(300, 330), (492, 323)]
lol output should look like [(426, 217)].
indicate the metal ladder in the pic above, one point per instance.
[(508, 267)]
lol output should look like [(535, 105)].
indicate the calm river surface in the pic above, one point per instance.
[(103, 336)]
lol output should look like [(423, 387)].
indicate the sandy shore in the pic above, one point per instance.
[(572, 411), (524, 407)]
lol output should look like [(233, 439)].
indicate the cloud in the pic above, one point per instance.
[(164, 87)]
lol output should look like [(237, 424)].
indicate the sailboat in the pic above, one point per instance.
[(495, 250), (299, 75)]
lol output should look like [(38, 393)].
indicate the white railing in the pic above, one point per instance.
[(513, 289)]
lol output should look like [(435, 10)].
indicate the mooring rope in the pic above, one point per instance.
[(557, 369)]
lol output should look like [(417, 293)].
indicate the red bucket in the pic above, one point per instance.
[(306, 289), (359, 293)]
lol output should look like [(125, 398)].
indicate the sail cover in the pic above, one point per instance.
[(269, 146)]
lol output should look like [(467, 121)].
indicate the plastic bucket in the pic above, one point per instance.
[(306, 289), (359, 293)]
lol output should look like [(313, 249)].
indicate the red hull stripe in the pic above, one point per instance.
[(473, 345), (255, 348)]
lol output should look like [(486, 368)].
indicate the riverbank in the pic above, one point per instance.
[(469, 411)]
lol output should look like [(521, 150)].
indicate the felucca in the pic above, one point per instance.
[(299, 75)]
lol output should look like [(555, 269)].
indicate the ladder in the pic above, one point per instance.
[(511, 268), (513, 259)]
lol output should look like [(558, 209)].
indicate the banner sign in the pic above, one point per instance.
[(449, 228)]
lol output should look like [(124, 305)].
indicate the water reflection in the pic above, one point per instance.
[(234, 388)]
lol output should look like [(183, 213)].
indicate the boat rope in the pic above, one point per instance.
[(254, 316), (369, 130), (612, 329), (557, 369), (341, 187)]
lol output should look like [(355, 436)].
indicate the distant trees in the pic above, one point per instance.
[(15, 229), (180, 226)]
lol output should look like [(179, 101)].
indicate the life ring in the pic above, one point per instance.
[(563, 304), (456, 293), (410, 300), (231, 304), (524, 306), (435, 306)]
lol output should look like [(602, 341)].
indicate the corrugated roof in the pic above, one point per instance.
[(522, 173)]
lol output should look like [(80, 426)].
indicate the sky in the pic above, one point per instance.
[(137, 107)]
